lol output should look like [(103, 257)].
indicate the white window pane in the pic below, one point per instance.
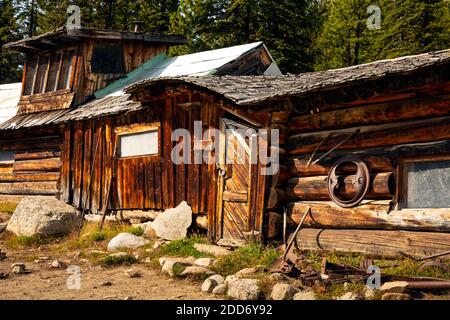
[(428, 184), (6, 156), (139, 144)]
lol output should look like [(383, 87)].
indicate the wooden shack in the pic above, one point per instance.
[(391, 115)]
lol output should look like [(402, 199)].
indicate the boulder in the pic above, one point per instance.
[(244, 289), (204, 262), (220, 290), (194, 271), (304, 295), (249, 272), (126, 241), (212, 249), (283, 291), (212, 282), (172, 224), (394, 287), (43, 216), (184, 261)]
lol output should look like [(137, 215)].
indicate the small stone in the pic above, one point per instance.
[(106, 284), (304, 295), (158, 244), (283, 291), (395, 296), (350, 296), (18, 268), (204, 262), (218, 278), (128, 298), (212, 249), (346, 285), (220, 290), (249, 272), (135, 274), (55, 264), (3, 227), (370, 293), (3, 275), (195, 271), (169, 264), (277, 277), (126, 241), (244, 289), (394, 287), (147, 261), (209, 285), (186, 261)]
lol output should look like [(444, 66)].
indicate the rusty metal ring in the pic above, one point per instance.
[(361, 180)]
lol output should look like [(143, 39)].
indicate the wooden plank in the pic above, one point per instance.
[(369, 215), (78, 163), (30, 155), (29, 188), (29, 177), (374, 242), (87, 164)]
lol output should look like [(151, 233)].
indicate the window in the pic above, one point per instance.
[(47, 73), (108, 59), (424, 184), (139, 141), (6, 157)]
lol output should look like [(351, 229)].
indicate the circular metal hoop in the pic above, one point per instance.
[(361, 181)]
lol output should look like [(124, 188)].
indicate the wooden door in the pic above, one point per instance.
[(237, 185)]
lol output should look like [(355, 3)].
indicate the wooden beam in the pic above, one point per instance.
[(374, 242), (369, 215)]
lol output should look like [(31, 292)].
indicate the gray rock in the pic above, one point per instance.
[(192, 271), (209, 285), (204, 262), (18, 268), (168, 266), (218, 278), (244, 289), (249, 272), (3, 227), (220, 290), (394, 287), (130, 273), (212, 249), (350, 296), (283, 291), (106, 284), (172, 224), (55, 264), (126, 241), (230, 279), (304, 295), (185, 261), (44, 216)]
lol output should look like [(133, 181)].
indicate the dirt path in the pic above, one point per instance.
[(45, 282)]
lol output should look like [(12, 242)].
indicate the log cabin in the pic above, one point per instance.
[(68, 68), (364, 155)]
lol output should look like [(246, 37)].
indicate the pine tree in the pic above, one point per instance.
[(9, 62)]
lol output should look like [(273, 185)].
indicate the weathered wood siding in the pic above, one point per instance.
[(35, 169)]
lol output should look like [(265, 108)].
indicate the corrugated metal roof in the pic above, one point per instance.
[(9, 98), (196, 64)]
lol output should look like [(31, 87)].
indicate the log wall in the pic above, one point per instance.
[(35, 169)]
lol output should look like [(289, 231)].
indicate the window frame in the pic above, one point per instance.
[(48, 55), (402, 181), (134, 129)]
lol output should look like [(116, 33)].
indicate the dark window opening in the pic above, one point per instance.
[(108, 59)]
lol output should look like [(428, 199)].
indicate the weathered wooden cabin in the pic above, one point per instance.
[(68, 68), (365, 149)]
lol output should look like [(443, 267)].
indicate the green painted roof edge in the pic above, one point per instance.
[(117, 85)]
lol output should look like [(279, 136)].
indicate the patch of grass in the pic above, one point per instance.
[(249, 256), (177, 270), (118, 260), (8, 207), (182, 248), (137, 231), (16, 242), (98, 236), (337, 290)]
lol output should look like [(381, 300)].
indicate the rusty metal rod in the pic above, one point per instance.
[(429, 284)]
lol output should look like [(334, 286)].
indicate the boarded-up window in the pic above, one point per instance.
[(6, 157), (139, 144), (427, 184), (108, 59), (53, 72), (29, 80), (41, 74)]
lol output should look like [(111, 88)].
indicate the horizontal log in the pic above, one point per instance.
[(373, 114), (373, 242), (36, 155), (369, 215), (142, 215), (25, 177), (297, 167), (382, 186), (50, 164), (29, 188), (53, 142), (373, 136)]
